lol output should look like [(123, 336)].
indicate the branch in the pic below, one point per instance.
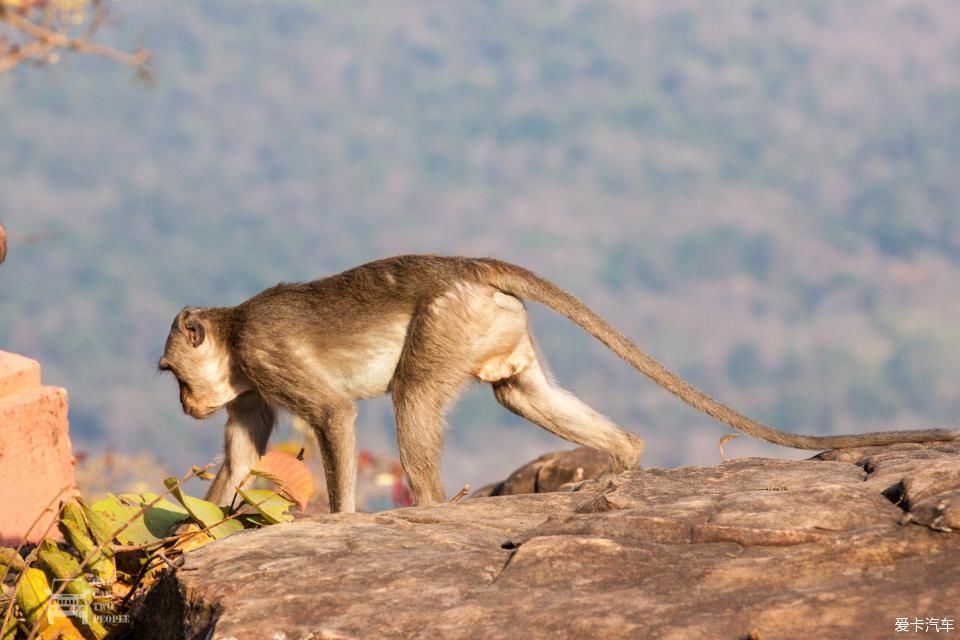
[(46, 39)]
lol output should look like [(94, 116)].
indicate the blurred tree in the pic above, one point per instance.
[(918, 369), (719, 251), (37, 31)]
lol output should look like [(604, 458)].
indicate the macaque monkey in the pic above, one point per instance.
[(419, 328)]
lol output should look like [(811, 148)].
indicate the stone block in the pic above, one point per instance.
[(36, 461)]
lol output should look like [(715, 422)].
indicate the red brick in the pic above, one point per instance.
[(36, 461), (17, 373)]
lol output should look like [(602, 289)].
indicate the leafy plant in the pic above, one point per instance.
[(116, 548)]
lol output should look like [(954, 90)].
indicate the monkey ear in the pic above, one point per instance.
[(194, 329), (181, 318)]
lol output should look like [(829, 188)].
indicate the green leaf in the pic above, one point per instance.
[(270, 504), (99, 529), (155, 523), (161, 521), (162, 503), (117, 510), (33, 594), (61, 565), (10, 631), (73, 526), (10, 558), (204, 512)]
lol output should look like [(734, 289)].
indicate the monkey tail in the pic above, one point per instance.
[(526, 284)]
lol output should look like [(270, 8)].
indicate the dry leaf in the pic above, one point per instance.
[(291, 476)]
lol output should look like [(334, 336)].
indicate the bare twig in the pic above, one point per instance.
[(45, 38), (724, 440), (166, 560), (461, 493), (159, 542)]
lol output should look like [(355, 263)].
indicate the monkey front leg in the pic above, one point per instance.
[(336, 434), (249, 423)]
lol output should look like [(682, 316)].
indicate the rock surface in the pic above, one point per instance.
[(549, 473), (839, 546)]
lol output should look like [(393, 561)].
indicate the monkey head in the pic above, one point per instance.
[(198, 356)]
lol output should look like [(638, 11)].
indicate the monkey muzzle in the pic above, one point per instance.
[(191, 407), (194, 411)]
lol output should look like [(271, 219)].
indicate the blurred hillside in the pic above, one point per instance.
[(762, 195)]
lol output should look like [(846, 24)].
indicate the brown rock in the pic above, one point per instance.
[(924, 480), (549, 473), (777, 549)]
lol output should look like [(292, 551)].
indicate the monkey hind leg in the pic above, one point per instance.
[(531, 395), (420, 400), (427, 381), (469, 330)]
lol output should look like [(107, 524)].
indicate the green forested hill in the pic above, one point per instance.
[(761, 194)]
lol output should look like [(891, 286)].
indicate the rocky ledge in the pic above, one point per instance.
[(845, 545)]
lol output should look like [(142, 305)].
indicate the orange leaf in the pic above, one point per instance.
[(291, 476)]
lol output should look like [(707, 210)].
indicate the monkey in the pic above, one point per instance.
[(418, 327)]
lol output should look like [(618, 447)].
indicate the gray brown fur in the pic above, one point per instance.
[(420, 328)]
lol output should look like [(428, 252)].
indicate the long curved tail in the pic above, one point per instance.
[(526, 284)]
